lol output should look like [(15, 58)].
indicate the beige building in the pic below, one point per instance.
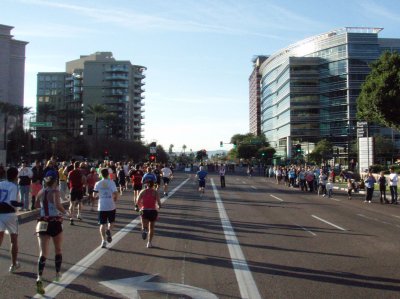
[(90, 80)]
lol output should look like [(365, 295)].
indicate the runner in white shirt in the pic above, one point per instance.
[(107, 192), (8, 216), (166, 173)]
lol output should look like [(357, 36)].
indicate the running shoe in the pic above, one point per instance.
[(14, 268), (39, 287), (103, 244), (71, 221), (57, 278), (144, 234), (149, 245), (79, 217), (109, 238)]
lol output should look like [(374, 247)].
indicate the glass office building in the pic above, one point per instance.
[(309, 89)]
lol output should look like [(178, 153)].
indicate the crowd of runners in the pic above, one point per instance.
[(47, 186)]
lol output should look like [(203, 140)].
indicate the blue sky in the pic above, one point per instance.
[(198, 52)]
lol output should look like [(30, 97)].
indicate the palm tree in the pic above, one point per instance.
[(99, 111), (8, 110), (184, 148), (171, 146)]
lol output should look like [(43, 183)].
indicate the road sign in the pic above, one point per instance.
[(361, 124), (41, 124), (361, 132)]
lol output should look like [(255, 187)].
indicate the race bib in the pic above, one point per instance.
[(41, 226)]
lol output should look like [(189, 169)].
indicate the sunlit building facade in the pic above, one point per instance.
[(309, 89), (64, 98), (255, 96)]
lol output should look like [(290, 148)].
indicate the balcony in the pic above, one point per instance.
[(117, 77), (117, 69)]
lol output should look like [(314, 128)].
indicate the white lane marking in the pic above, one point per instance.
[(254, 187), (130, 287), (335, 199), (396, 216), (243, 182), (303, 228), (377, 220), (53, 289), (244, 277), (327, 222), (276, 197)]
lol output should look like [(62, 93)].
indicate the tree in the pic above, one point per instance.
[(322, 151), (266, 154), (98, 111), (379, 99), (184, 148), (170, 150), (11, 110), (246, 146), (201, 155)]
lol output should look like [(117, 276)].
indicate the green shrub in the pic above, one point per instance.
[(378, 168)]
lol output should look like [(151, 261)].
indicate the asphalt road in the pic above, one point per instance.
[(253, 239)]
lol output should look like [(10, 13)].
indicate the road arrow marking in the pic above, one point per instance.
[(130, 287)]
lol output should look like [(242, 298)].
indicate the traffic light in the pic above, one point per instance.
[(297, 148), (152, 158), (221, 144)]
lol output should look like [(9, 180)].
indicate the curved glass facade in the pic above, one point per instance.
[(309, 89)]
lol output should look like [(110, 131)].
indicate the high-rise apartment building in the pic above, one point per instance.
[(309, 89), (96, 79), (12, 72), (254, 96)]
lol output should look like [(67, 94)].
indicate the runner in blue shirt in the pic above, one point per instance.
[(201, 175)]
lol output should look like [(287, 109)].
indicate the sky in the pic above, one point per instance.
[(198, 53)]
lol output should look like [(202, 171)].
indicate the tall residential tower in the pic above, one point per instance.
[(96, 79)]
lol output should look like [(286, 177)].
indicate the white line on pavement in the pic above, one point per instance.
[(53, 289), (254, 187), (327, 222), (303, 228), (243, 182), (376, 219), (276, 197), (247, 285)]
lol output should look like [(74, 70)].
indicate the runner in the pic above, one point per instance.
[(157, 172), (166, 176), (8, 216), (91, 179), (107, 192), (49, 226), (76, 182), (201, 176), (136, 176), (148, 201)]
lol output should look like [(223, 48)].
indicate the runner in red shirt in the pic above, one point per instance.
[(76, 181), (136, 177)]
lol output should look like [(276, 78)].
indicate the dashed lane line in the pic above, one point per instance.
[(303, 228), (53, 289), (377, 220), (276, 197), (327, 222), (244, 277)]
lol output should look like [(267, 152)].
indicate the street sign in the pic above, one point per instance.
[(41, 124), (361, 132), (361, 124)]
